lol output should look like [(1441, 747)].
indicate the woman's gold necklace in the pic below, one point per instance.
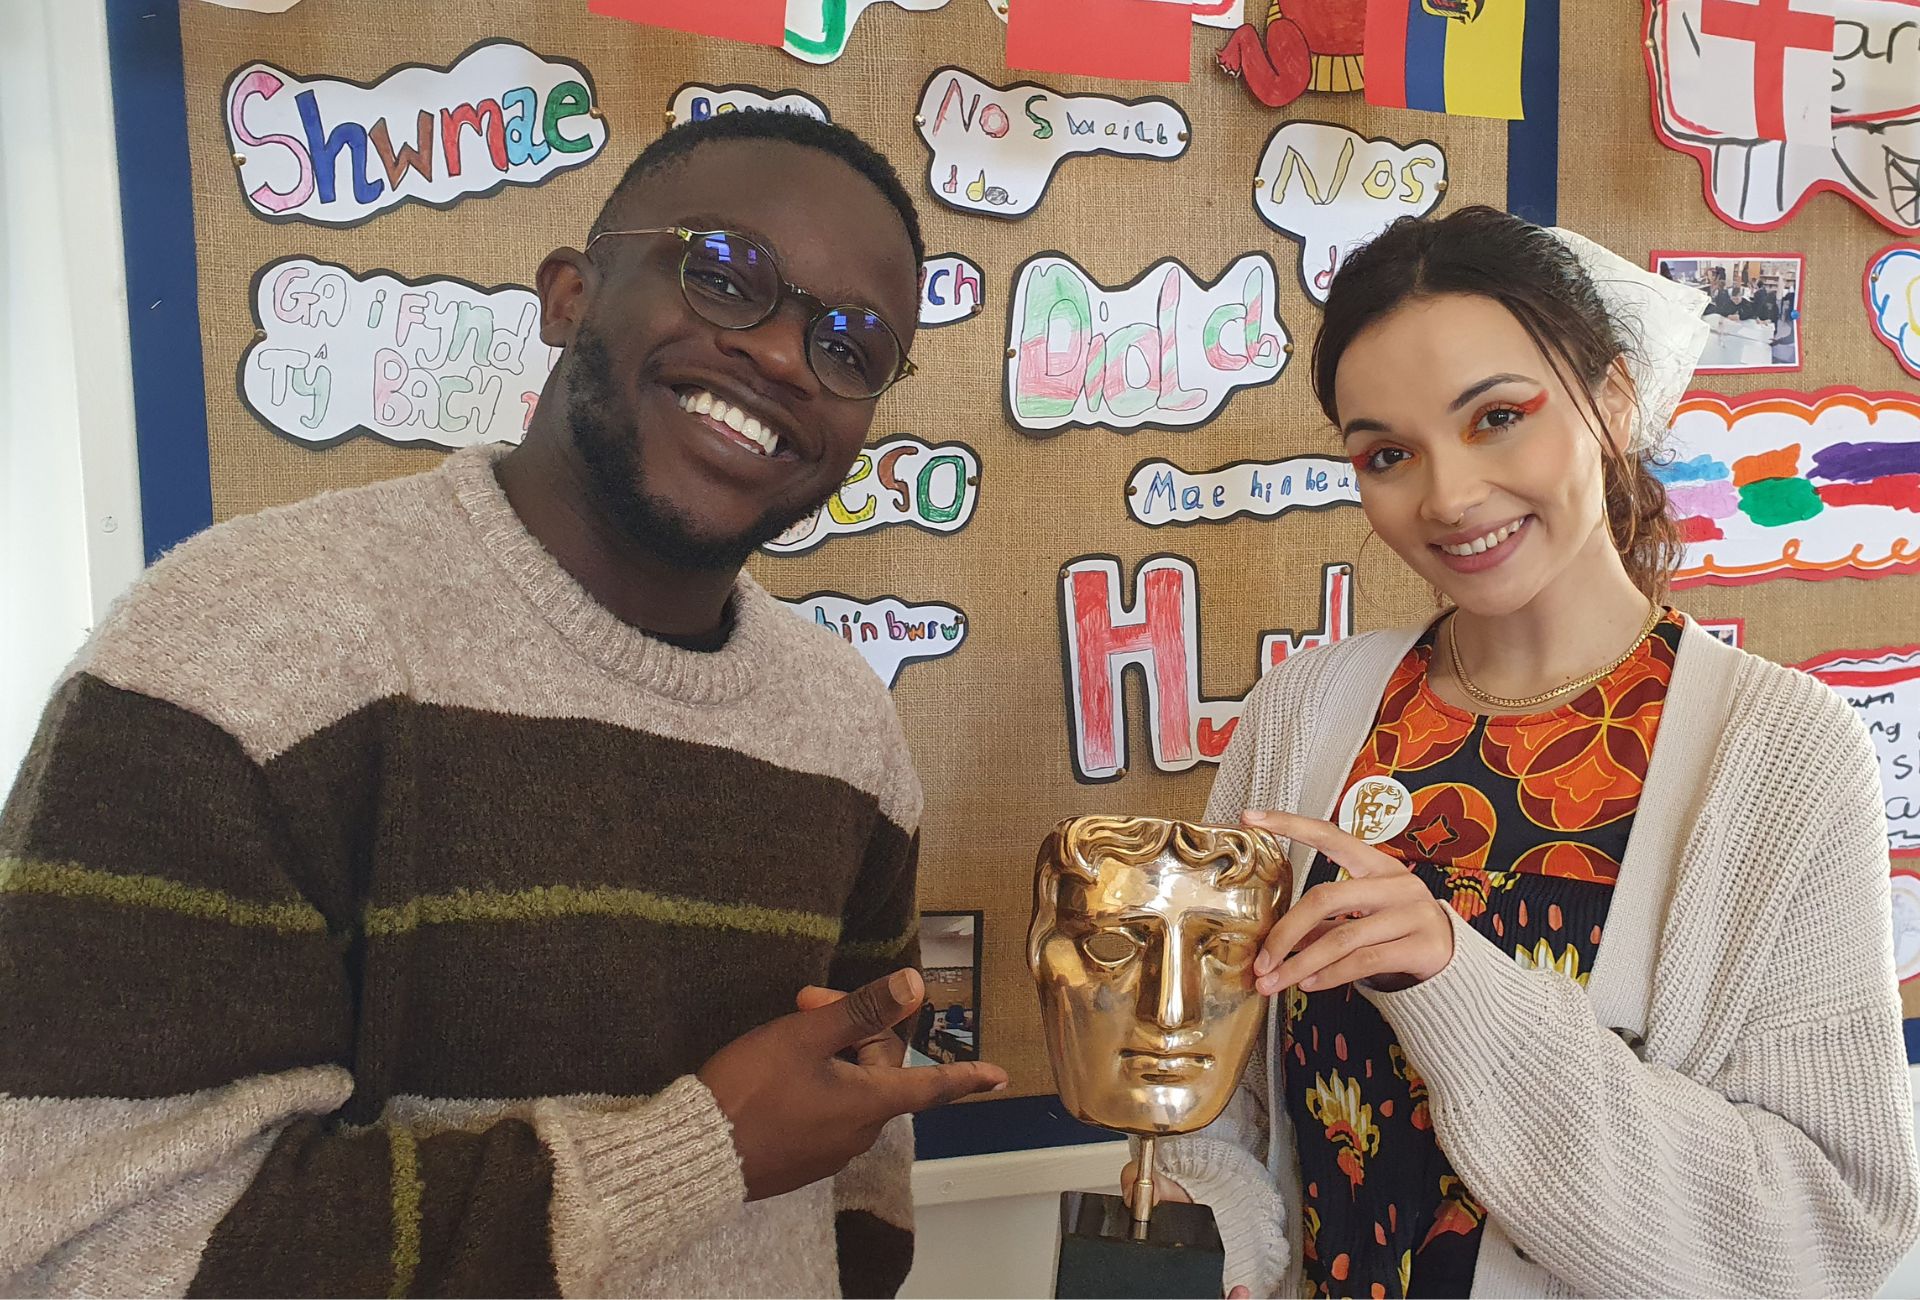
[(1502, 702)]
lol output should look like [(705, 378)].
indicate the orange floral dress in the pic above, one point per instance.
[(1520, 823)]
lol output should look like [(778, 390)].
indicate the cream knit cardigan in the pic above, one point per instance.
[(1724, 1109)]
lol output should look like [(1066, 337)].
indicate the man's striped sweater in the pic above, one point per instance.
[(370, 895)]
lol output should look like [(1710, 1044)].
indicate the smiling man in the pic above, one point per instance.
[(410, 891)]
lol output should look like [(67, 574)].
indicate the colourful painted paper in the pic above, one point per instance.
[(1331, 190), (817, 30), (436, 362), (1446, 56), (901, 481), (696, 103), (1159, 493), (1795, 485), (951, 290), (1163, 351), (1868, 76), (1130, 40), (757, 22), (994, 149), (1892, 291), (1306, 46), (338, 152), (1883, 686), (1157, 633), (888, 632)]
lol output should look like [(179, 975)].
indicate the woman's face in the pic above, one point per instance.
[(1475, 463)]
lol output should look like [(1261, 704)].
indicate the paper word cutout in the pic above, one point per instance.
[(697, 103), (1206, 13), (887, 632), (258, 6), (439, 362), (950, 290), (994, 150), (1795, 485), (1159, 493), (1906, 926), (1332, 190), (325, 151), (1883, 686), (1159, 634), (1464, 57), (817, 29), (1755, 179), (901, 481), (1164, 350), (1305, 47), (1892, 291)]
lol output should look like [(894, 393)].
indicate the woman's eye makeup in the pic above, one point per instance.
[(1378, 460), (1496, 416)]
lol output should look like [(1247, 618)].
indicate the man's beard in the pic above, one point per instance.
[(612, 460)]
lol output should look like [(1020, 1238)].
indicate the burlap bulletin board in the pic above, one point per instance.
[(988, 724)]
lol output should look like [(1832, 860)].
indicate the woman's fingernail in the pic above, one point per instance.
[(1310, 983)]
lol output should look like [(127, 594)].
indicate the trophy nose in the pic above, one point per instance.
[(1175, 1002)]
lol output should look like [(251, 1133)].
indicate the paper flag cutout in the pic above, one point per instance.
[(1312, 48), (1754, 183), (1130, 40), (1892, 290), (1227, 14), (758, 22), (817, 30), (1447, 56), (1332, 190)]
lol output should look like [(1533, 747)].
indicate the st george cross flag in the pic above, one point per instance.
[(1765, 69)]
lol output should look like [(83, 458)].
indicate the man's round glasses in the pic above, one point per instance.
[(734, 283)]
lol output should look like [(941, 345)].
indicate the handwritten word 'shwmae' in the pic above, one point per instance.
[(994, 149), (336, 152), (887, 632), (1332, 190), (1158, 634), (438, 362), (901, 481), (1165, 351), (1159, 493), (1883, 686), (697, 103)]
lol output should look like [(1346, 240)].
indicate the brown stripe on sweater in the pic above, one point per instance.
[(483, 1226), (100, 999), (875, 1256)]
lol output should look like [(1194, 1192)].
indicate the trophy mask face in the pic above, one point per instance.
[(1142, 945)]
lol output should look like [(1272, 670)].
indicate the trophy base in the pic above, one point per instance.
[(1180, 1257)]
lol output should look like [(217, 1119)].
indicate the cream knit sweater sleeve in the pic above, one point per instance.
[(1768, 1148)]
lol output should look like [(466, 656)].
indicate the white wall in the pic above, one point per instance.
[(69, 503)]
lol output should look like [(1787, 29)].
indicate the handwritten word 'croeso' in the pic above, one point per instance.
[(901, 481), (1164, 351), (336, 153)]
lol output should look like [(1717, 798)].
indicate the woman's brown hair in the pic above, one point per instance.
[(1527, 270)]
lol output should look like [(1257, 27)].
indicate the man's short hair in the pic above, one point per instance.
[(770, 124)]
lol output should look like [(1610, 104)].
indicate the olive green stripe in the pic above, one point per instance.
[(406, 1209), (881, 949), (549, 902), (20, 876)]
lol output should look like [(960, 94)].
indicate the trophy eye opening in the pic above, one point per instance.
[(1111, 947), (1231, 947)]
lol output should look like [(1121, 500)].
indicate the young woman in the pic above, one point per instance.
[(1588, 987)]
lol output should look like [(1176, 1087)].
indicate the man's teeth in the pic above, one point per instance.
[(1491, 540), (701, 402)]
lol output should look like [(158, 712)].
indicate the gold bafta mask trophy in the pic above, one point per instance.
[(1142, 945)]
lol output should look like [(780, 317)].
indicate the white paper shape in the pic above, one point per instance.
[(952, 289), (1228, 14), (1163, 351), (1160, 493), (1332, 190), (1906, 924), (887, 631), (438, 362), (338, 153), (994, 149), (257, 6), (1873, 155), (1893, 302), (1883, 686), (695, 102), (817, 30), (902, 481), (1852, 462)]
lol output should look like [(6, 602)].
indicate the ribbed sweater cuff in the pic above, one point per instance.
[(632, 1184), (1246, 1207)]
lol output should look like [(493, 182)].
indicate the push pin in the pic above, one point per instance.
[(1013, 352), (259, 336), (594, 112), (973, 480), (1183, 135), (671, 118), (1440, 187), (1288, 348), (239, 160), (918, 120), (1259, 182)]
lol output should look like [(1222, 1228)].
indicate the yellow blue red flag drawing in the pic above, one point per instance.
[(1447, 56)]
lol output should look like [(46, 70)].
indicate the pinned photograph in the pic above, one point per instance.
[(1753, 305), (948, 1029)]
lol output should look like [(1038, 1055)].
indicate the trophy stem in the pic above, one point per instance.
[(1143, 1190)]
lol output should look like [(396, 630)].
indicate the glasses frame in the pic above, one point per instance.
[(686, 235)]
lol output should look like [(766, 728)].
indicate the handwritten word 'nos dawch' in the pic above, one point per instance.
[(1159, 634), (324, 150)]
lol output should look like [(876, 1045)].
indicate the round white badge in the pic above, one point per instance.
[(1906, 925), (1376, 809)]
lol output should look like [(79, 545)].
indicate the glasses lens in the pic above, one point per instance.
[(853, 352), (730, 280)]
